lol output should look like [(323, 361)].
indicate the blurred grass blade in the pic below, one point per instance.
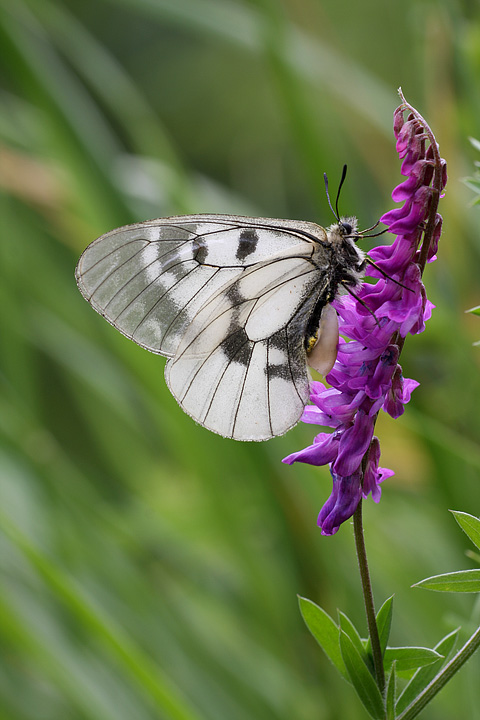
[(119, 94), (149, 677), (475, 143), (74, 129), (309, 59)]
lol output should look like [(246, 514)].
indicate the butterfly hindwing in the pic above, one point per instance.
[(240, 369)]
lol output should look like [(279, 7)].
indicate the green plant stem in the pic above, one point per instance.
[(368, 597), (442, 678)]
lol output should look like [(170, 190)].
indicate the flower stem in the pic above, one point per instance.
[(442, 678), (368, 597)]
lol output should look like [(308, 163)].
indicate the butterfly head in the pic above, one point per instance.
[(344, 232), (348, 258), (348, 228)]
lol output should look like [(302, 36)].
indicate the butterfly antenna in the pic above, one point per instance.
[(342, 180), (328, 196), (374, 234), (362, 232)]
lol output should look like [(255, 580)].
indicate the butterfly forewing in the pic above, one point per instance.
[(150, 279)]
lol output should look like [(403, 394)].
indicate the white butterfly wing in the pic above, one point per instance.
[(227, 299), (150, 279), (240, 369)]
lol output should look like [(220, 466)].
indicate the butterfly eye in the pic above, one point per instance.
[(347, 228)]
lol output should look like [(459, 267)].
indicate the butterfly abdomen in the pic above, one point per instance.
[(343, 267)]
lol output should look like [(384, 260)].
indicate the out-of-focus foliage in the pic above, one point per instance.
[(473, 182), (149, 569)]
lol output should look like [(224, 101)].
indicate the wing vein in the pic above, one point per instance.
[(238, 304), (302, 234), (242, 390), (183, 308), (232, 359), (136, 240), (165, 269), (269, 409), (107, 277), (290, 363), (214, 350)]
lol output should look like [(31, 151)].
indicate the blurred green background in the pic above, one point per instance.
[(149, 569)]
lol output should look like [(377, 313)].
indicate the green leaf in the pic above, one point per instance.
[(325, 632), (426, 674), (469, 523), (361, 678), (348, 627), (460, 581), (409, 658), (391, 693), (384, 623), (476, 311)]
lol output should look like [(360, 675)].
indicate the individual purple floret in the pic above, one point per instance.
[(366, 377)]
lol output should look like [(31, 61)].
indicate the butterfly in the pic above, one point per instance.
[(238, 305)]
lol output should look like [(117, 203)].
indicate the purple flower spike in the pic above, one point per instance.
[(366, 377), (342, 503)]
